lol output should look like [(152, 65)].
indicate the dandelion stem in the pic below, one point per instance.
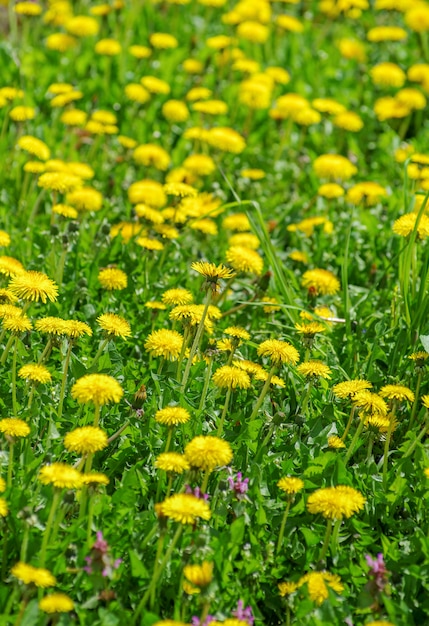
[(206, 385), (205, 481), (196, 342), (417, 440), (386, 447), (64, 379), (283, 526), (6, 349), (52, 512), (349, 423), (326, 541), (225, 409), (14, 358), (10, 464), (157, 575), (96, 414), (416, 401), (354, 440), (100, 352), (264, 392), (46, 351)]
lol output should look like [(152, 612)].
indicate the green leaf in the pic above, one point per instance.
[(138, 570), (425, 342)]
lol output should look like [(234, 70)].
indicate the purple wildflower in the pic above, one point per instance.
[(244, 614), (377, 570), (197, 493), (195, 621), (238, 486), (100, 560)]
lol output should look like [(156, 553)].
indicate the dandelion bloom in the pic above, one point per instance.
[(94, 479), (184, 508), (287, 588), (336, 442), (50, 325), (61, 476), (177, 296), (76, 329), (321, 281), (318, 583), (310, 329), (34, 146), (17, 323), (370, 402), (172, 462), (108, 47), (290, 484), (3, 508), (334, 166), (86, 440), (97, 388), (33, 286), (33, 575), (10, 266), (405, 225), (199, 575), (14, 427), (114, 325), (231, 377), (112, 278), (245, 260), (172, 416), (206, 453), (56, 603), (387, 75), (165, 343), (314, 369), (396, 392), (279, 352), (336, 502), (348, 388)]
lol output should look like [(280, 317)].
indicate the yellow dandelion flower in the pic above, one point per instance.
[(113, 279), (370, 402), (207, 453), (287, 588), (237, 332), (314, 369), (321, 282), (50, 325), (56, 603), (348, 388), (108, 47), (334, 166), (86, 440), (35, 372), (61, 476), (177, 296), (405, 225), (34, 146), (336, 502), (10, 266), (33, 575), (290, 484), (279, 352), (245, 260), (17, 323), (172, 462), (75, 329), (199, 575), (97, 388), (336, 442), (318, 583), (33, 286), (229, 376), (184, 508), (152, 155), (114, 325), (93, 479), (165, 343), (396, 392), (14, 427), (172, 416), (310, 329), (4, 510)]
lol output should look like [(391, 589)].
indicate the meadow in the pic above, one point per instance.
[(214, 313)]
